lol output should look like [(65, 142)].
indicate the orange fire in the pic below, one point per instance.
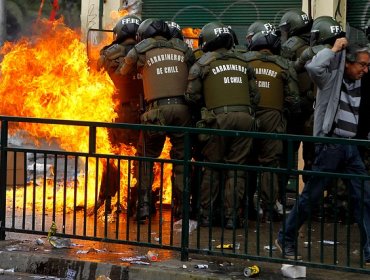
[(47, 75), (191, 36)]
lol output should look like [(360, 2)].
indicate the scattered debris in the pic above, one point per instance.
[(251, 271), (52, 230), (18, 247), (329, 242), (226, 264), (39, 241), (184, 266), (83, 252), (132, 259), (4, 271), (177, 226), (268, 248), (201, 266), (229, 246), (293, 271), (156, 239), (140, 262), (152, 256), (59, 242)]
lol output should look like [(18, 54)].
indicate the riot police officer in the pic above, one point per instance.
[(324, 31), (277, 84), (219, 71), (127, 100), (254, 28), (258, 26), (175, 30), (164, 64), (295, 25), (237, 47)]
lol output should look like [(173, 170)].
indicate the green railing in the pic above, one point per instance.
[(57, 186)]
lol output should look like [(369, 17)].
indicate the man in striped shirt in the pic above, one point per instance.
[(337, 73)]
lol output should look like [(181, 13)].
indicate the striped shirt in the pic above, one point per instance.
[(346, 119)]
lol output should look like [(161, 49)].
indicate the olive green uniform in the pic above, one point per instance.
[(164, 65), (224, 85), (301, 124), (277, 84), (129, 90)]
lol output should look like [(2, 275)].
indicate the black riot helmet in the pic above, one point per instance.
[(153, 27), (235, 37), (265, 40), (175, 30), (126, 28), (367, 30), (295, 22), (256, 27), (215, 35), (325, 30)]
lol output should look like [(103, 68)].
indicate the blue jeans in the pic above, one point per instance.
[(337, 158)]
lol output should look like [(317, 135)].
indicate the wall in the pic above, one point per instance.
[(90, 14), (334, 8)]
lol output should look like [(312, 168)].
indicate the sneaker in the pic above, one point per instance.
[(288, 252)]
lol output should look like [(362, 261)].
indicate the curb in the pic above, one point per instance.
[(66, 267)]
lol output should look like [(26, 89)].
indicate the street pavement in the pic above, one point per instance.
[(33, 257)]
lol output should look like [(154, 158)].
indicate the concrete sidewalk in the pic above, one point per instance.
[(89, 260)]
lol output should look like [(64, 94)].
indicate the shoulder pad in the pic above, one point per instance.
[(179, 44), (251, 55), (207, 58), (198, 53), (241, 49), (294, 43), (281, 61), (145, 45), (235, 54), (115, 51)]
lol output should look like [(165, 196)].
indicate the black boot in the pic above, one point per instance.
[(142, 213), (131, 205)]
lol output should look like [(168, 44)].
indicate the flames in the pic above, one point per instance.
[(191, 36), (47, 75)]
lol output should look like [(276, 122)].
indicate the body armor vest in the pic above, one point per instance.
[(226, 83), (165, 73), (129, 87), (269, 83), (292, 49)]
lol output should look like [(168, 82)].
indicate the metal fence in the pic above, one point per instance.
[(60, 186)]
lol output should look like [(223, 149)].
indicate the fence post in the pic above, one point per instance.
[(92, 139), (3, 168), (186, 200)]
